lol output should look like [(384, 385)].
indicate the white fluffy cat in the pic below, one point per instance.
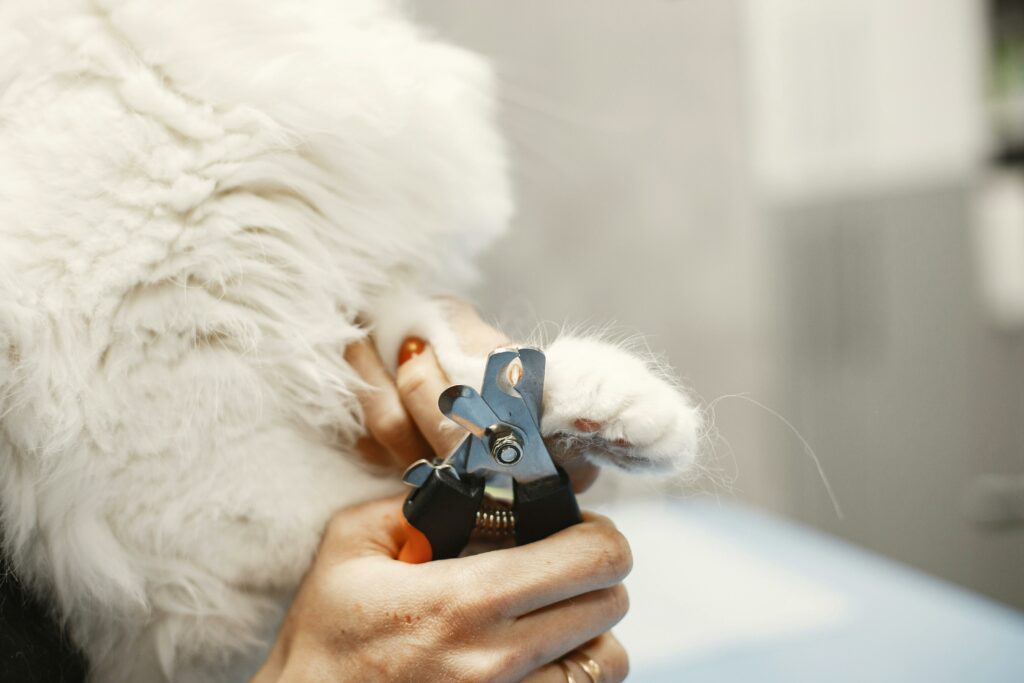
[(202, 202)]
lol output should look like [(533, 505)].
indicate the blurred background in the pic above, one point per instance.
[(813, 209)]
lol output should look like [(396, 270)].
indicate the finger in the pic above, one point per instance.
[(569, 623), (420, 381), (605, 650), (577, 560), (374, 528), (385, 417), (374, 454), (569, 453), (582, 473), (475, 336)]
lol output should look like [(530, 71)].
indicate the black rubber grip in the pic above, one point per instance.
[(444, 509), (543, 507)]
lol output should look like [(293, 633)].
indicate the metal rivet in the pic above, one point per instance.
[(507, 450)]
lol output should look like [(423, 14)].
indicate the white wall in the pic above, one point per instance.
[(855, 96)]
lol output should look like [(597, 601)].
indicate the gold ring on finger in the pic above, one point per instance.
[(589, 666), (569, 678)]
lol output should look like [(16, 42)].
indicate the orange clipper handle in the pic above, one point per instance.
[(441, 515), (416, 549)]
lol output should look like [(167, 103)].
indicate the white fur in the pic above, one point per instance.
[(201, 204)]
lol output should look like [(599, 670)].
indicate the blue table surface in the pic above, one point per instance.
[(897, 624)]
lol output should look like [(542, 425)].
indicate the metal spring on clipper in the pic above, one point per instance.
[(495, 519)]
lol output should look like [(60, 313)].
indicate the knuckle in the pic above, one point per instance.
[(615, 553), (459, 614), (482, 665), (487, 604), (497, 603), (390, 424), (598, 518), (412, 377), (618, 601)]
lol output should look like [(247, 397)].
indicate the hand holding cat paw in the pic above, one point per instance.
[(602, 403), (400, 413)]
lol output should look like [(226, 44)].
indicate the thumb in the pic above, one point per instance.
[(374, 528)]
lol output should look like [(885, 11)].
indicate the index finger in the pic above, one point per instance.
[(475, 336), (420, 380), (386, 419), (579, 559)]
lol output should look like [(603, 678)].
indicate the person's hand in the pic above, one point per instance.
[(401, 416), (505, 615)]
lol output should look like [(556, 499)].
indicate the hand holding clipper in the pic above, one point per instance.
[(503, 451)]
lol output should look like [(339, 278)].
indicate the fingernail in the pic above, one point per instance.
[(412, 346)]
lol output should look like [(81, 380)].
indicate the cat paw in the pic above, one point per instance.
[(614, 407)]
